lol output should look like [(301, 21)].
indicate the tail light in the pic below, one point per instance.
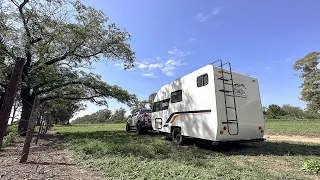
[(224, 128), (260, 128), (145, 115)]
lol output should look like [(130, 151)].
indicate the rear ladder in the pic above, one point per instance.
[(226, 93)]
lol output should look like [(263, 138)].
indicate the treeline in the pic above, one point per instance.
[(287, 111), (103, 117)]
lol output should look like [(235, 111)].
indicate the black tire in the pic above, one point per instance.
[(177, 137), (140, 129), (127, 128)]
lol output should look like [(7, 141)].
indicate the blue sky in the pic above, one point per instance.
[(172, 38)]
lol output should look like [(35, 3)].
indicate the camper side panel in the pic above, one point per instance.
[(195, 112)]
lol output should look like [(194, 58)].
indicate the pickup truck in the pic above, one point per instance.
[(141, 122)]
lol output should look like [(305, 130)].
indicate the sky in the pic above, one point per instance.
[(172, 38)]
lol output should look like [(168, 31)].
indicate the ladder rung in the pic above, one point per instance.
[(226, 72), (231, 95), (228, 84), (231, 107), (230, 122), (224, 79), (224, 91)]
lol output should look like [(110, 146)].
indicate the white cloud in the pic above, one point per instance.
[(156, 65), (141, 65), (192, 39), (216, 11), (288, 59), (121, 66), (202, 17), (177, 52), (149, 75), (170, 66)]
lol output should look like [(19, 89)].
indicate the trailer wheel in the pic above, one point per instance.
[(127, 128), (177, 137)]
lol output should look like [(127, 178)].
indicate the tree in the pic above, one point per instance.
[(58, 39), (310, 73), (60, 111), (138, 105), (292, 111), (119, 116), (274, 111)]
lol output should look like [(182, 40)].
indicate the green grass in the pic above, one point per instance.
[(293, 127), (11, 134), (122, 155)]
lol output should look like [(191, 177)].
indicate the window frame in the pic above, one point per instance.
[(175, 100), (202, 83)]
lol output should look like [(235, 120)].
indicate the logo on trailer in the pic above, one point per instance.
[(240, 90)]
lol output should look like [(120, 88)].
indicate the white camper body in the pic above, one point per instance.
[(204, 105)]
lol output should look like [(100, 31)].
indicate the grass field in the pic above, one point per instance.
[(293, 127), (122, 155)]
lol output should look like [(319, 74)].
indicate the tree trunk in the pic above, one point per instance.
[(9, 97), (15, 107), (31, 124), (27, 102)]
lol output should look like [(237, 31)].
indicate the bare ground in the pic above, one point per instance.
[(293, 138), (47, 160)]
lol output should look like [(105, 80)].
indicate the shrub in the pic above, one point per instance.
[(312, 166)]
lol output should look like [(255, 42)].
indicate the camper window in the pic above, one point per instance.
[(176, 96), (165, 104), (202, 80)]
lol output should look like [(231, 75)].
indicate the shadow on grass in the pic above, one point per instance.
[(154, 145)]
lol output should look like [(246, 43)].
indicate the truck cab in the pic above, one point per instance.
[(140, 121)]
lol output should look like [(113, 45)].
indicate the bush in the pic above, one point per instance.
[(10, 135), (312, 166)]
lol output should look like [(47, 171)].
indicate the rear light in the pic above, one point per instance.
[(221, 132), (260, 128), (224, 128), (145, 115)]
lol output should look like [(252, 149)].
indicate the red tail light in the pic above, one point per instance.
[(145, 115), (224, 128)]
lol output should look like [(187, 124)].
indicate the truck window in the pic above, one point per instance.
[(176, 96), (145, 111)]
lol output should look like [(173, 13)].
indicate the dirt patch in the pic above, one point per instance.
[(293, 138), (47, 160)]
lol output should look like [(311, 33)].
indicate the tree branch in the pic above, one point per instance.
[(68, 98), (36, 40)]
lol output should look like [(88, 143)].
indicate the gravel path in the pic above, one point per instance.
[(47, 160), (292, 138)]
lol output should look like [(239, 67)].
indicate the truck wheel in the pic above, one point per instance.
[(127, 128), (177, 137), (140, 129)]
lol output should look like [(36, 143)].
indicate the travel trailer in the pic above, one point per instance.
[(211, 104)]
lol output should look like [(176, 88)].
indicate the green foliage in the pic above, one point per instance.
[(102, 116), (310, 73), (10, 135), (274, 111), (122, 155), (312, 166)]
